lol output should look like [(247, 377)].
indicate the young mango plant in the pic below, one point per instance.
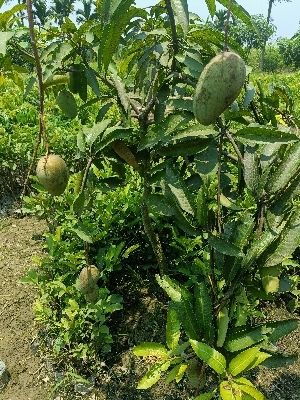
[(211, 345), (229, 186)]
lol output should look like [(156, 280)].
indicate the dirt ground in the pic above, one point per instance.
[(143, 319), (17, 330)]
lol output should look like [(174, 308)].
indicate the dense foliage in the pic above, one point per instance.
[(209, 213)]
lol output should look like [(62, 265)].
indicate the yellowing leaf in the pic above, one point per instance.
[(151, 350), (172, 328)]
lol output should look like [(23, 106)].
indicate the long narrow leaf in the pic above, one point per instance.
[(210, 356), (172, 327), (211, 5), (239, 363), (204, 310), (181, 12)]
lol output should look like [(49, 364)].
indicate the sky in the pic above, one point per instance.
[(286, 16)]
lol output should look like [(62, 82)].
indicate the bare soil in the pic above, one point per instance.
[(17, 329)]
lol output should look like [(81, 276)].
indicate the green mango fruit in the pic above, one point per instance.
[(53, 174), (219, 85)]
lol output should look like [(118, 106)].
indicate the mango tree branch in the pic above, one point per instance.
[(173, 29), (41, 133), (235, 146), (86, 174), (152, 235)]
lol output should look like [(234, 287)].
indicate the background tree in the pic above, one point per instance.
[(41, 12), (219, 20), (249, 38), (62, 9), (87, 12), (271, 3), (290, 50)]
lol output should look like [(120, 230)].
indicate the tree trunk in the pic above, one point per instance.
[(263, 51)]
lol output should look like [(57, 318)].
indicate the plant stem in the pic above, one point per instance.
[(235, 146), (39, 71), (152, 236), (173, 29), (226, 27), (86, 174), (219, 210)]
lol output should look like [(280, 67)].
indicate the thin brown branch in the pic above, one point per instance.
[(39, 72), (41, 133), (235, 146)]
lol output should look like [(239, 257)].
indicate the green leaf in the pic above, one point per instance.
[(107, 8), (172, 328), (188, 148), (210, 356), (81, 141), (281, 329), (239, 363), (224, 247), (92, 134), (152, 376), (287, 243), (112, 134), (228, 392), (78, 203), (181, 13), (83, 235), (252, 391), (184, 305), (159, 204), (238, 11), (223, 322), (176, 373), (251, 169), (245, 337), (279, 361), (202, 207), (151, 349), (181, 199), (4, 38), (260, 358), (207, 160), (103, 111), (261, 134), (205, 396), (171, 287), (6, 16), (67, 103), (204, 310), (258, 246), (244, 381), (187, 316), (182, 104), (211, 5), (111, 35), (92, 81), (286, 170)]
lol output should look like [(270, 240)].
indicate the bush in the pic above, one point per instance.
[(290, 51), (273, 59)]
